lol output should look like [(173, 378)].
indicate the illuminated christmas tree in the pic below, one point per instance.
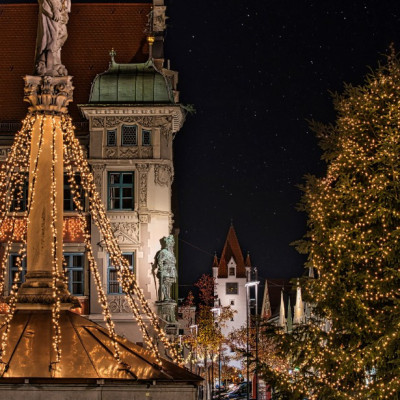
[(350, 346)]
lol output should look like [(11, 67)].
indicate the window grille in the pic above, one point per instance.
[(129, 135)]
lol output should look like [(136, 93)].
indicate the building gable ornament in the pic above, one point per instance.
[(118, 304), (163, 175), (163, 122), (159, 18), (143, 170)]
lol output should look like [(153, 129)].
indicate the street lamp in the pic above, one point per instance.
[(248, 285), (218, 311), (192, 328)]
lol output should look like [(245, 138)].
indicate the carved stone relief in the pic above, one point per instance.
[(110, 152), (98, 170), (128, 152), (163, 122), (163, 175), (144, 218), (118, 304), (125, 228), (143, 170), (126, 232)]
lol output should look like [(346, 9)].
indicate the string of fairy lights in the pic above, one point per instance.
[(13, 174), (353, 243), (126, 278)]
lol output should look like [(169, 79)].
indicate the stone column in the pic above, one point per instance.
[(49, 97)]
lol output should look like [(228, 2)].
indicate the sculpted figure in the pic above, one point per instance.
[(51, 36), (166, 268)]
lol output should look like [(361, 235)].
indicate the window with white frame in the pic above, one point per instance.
[(113, 286), (75, 263)]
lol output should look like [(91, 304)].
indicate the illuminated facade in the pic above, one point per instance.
[(231, 272), (131, 115)]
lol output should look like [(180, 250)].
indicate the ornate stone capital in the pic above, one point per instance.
[(48, 94)]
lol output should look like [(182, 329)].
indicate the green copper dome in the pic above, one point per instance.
[(131, 83)]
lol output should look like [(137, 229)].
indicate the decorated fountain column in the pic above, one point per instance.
[(48, 91)]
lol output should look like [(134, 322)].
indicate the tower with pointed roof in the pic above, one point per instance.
[(231, 272)]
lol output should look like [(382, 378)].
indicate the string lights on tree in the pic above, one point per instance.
[(350, 346)]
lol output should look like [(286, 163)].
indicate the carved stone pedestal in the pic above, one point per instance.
[(167, 314)]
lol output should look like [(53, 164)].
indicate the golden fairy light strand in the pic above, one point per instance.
[(56, 278), (8, 177), (22, 164), (148, 339), (127, 279), (92, 263)]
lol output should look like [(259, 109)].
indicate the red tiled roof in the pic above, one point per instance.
[(93, 29), (231, 249)]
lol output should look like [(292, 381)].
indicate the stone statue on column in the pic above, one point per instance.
[(51, 36), (166, 268)]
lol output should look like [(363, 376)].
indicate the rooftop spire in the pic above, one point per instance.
[(282, 319), (299, 307)]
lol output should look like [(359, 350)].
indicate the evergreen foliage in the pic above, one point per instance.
[(350, 346)]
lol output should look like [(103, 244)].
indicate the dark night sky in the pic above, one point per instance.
[(256, 71)]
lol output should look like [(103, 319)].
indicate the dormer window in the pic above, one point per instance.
[(146, 137), (129, 135), (112, 137), (231, 271)]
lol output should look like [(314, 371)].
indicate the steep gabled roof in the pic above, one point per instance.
[(232, 249)]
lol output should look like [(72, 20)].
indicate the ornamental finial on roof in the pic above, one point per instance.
[(112, 54)]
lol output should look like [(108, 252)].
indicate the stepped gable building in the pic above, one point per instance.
[(126, 112), (231, 272)]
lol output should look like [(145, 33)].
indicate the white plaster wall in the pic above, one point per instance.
[(239, 306)]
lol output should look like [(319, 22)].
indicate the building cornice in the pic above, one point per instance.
[(140, 110)]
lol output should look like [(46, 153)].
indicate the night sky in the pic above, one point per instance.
[(256, 72)]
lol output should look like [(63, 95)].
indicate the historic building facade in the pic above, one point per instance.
[(126, 119)]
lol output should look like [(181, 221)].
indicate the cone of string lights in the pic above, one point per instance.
[(349, 346), (43, 150)]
